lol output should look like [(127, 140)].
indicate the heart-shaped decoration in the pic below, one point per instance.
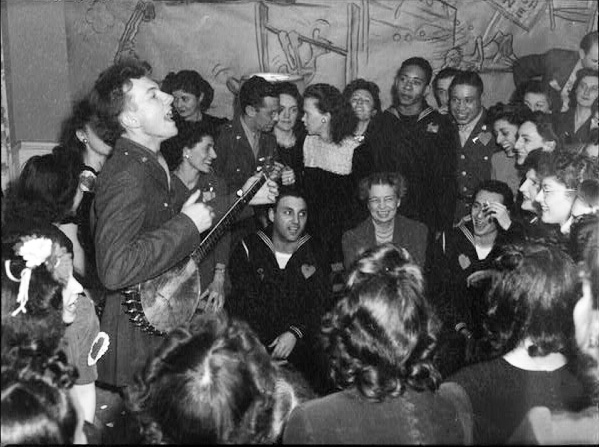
[(308, 270), (464, 261)]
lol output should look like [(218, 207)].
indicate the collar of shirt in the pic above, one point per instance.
[(466, 129), (565, 93), (253, 137)]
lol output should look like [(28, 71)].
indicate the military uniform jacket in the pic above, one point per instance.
[(235, 160), (473, 163), (139, 234)]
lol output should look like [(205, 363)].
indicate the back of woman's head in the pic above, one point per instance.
[(531, 298), (35, 410), (380, 337), (34, 273), (44, 192), (213, 383), (330, 100)]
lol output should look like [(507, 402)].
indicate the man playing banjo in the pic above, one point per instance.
[(138, 233)]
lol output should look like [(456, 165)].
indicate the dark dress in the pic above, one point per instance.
[(347, 417), (331, 190), (563, 123), (293, 157), (501, 394)]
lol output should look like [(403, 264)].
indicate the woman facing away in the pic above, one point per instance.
[(331, 171), (383, 193), (211, 383), (44, 311), (85, 144), (379, 339), (534, 288)]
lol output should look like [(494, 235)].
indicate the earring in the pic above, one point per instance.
[(324, 120), (85, 141), (186, 156)]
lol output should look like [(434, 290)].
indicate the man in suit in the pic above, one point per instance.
[(475, 141), (557, 68)]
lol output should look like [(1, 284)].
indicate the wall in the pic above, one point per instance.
[(54, 49)]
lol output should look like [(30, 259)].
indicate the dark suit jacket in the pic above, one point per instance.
[(235, 160), (553, 65), (563, 123), (407, 233)]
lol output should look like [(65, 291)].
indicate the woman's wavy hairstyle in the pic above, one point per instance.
[(532, 86), (393, 179), (43, 193), (190, 81), (330, 100), (533, 290), (81, 116), (569, 169), (514, 114), (36, 409), (544, 125), (190, 134), (289, 88), (363, 84), (580, 75), (211, 383), (34, 336), (381, 336)]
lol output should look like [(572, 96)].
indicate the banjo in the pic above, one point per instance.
[(160, 304)]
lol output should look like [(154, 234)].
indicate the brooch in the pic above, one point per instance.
[(432, 128)]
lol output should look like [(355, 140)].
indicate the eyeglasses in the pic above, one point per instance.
[(548, 192), (389, 200)]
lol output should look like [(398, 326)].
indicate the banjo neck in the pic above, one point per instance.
[(212, 238)]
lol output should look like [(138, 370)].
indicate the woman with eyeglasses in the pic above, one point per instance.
[(382, 193)]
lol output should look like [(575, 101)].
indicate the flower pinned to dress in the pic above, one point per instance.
[(35, 251)]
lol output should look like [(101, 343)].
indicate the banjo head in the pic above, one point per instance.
[(171, 299)]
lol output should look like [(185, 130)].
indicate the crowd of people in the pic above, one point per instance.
[(315, 270)]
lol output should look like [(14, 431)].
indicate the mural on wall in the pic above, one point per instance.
[(318, 40), (5, 126)]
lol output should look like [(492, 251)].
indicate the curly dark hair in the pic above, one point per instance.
[(190, 134), (580, 75), (289, 88), (81, 116), (381, 336), (330, 100), (43, 193), (108, 97), (531, 86), (190, 81), (363, 84), (33, 336), (532, 292), (514, 114), (212, 382), (35, 409)]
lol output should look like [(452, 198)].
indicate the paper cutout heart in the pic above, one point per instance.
[(308, 270), (464, 261)]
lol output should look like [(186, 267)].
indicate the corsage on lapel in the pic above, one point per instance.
[(464, 261), (432, 128), (484, 137), (308, 270)]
